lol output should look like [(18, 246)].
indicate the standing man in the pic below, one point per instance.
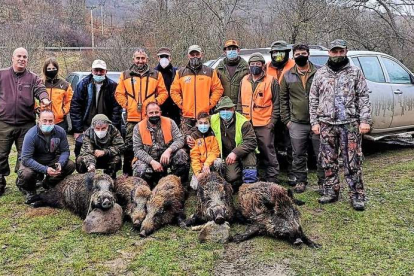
[(294, 112), (167, 70), (95, 94), (18, 88), (196, 88), (138, 86), (237, 143), (45, 152), (158, 146), (259, 103), (232, 69), (280, 63), (340, 112)]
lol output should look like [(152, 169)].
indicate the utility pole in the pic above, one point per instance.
[(92, 35), (102, 19)]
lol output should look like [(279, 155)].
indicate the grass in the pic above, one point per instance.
[(379, 241)]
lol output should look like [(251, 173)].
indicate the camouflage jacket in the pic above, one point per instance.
[(112, 144), (339, 97)]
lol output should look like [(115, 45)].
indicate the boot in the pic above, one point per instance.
[(329, 196), (300, 187), (31, 197), (357, 202), (292, 181), (2, 184)]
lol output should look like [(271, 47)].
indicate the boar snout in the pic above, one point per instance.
[(106, 203), (219, 219)]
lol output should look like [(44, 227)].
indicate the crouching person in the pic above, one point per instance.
[(102, 146), (158, 146), (205, 153), (45, 152), (237, 143)]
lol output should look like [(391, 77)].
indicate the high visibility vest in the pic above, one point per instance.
[(216, 127), (146, 135), (257, 105), (278, 74)]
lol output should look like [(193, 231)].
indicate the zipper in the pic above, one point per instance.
[(195, 94), (205, 145)]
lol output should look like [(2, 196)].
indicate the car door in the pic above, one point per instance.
[(403, 90), (380, 92)]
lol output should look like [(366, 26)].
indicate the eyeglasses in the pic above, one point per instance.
[(164, 56)]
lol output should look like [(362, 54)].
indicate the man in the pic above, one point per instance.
[(95, 94), (280, 63), (294, 112), (18, 88), (167, 70), (237, 143), (45, 152), (232, 69), (137, 87), (101, 147), (196, 88), (259, 103), (158, 146), (340, 112)]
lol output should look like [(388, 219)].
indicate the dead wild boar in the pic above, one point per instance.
[(165, 206), (214, 201), (80, 193), (270, 211), (100, 221), (213, 232), (132, 194)]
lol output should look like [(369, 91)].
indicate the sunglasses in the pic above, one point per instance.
[(164, 56)]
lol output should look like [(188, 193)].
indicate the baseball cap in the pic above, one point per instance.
[(98, 63), (194, 48)]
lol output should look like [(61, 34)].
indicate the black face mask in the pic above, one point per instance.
[(280, 64), (51, 74), (195, 62), (256, 70), (154, 119), (301, 60)]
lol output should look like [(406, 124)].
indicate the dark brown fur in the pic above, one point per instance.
[(132, 194), (165, 205), (214, 201), (80, 193), (271, 212)]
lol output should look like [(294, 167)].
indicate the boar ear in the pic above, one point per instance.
[(89, 180)]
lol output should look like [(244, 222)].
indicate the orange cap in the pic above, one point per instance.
[(231, 42)]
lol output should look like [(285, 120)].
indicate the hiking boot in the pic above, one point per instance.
[(2, 184), (31, 197), (300, 187), (357, 202), (2, 190), (320, 190), (292, 181), (329, 196)]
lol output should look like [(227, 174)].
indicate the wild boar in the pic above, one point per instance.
[(80, 193), (270, 211), (213, 232), (214, 201), (165, 206), (100, 221), (132, 194)]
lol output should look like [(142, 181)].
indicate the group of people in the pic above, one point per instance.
[(229, 119)]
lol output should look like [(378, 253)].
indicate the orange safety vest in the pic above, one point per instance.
[(146, 135), (276, 73), (257, 106)]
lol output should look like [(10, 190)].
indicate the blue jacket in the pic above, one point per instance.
[(82, 101), (37, 153)]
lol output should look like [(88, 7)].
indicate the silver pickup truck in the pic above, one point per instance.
[(391, 88)]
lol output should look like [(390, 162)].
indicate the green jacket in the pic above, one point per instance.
[(294, 98), (232, 86)]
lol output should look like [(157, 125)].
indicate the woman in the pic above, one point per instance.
[(59, 90)]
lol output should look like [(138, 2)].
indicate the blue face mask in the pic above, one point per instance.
[(47, 128), (232, 54), (98, 79), (203, 128), (226, 114)]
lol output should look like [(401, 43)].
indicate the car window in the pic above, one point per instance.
[(114, 77), (372, 69), (318, 60), (396, 73), (74, 82), (356, 62)]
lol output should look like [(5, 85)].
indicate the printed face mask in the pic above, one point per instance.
[(278, 56)]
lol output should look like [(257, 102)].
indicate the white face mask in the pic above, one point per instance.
[(164, 62), (101, 134)]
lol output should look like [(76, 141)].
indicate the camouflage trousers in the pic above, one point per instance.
[(129, 151), (179, 165), (347, 140)]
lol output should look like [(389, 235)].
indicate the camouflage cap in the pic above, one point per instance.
[(225, 102), (279, 45), (164, 51), (257, 57), (194, 48), (338, 43), (100, 118), (231, 42)]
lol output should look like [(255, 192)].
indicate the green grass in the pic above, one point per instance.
[(379, 241)]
